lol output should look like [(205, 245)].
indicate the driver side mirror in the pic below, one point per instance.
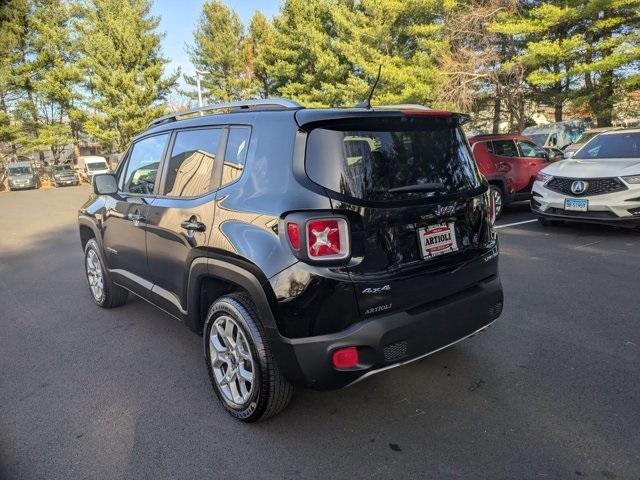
[(104, 184)]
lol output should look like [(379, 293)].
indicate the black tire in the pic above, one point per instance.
[(270, 392), (113, 295), (496, 193)]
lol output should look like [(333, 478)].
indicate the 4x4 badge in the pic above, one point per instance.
[(385, 288)]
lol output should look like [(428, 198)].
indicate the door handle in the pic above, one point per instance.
[(193, 225)]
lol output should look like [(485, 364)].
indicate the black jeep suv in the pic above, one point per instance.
[(309, 247)]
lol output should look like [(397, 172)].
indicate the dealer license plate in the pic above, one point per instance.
[(437, 240)]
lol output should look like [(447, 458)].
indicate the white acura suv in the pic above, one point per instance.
[(599, 184)]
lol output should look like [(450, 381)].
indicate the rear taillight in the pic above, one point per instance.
[(293, 232), (327, 238), (317, 238)]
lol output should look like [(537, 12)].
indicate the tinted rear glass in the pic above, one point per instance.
[(368, 159), (613, 145)]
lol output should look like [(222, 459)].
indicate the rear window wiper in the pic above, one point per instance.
[(418, 187)]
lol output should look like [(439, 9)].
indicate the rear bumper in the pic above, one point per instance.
[(393, 340)]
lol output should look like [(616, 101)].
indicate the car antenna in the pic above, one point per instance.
[(367, 103)]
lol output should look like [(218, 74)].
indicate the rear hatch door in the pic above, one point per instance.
[(416, 202)]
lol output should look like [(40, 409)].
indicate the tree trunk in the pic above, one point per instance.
[(496, 111), (521, 119), (602, 103), (557, 111)]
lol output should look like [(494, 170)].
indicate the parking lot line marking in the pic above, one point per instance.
[(516, 223)]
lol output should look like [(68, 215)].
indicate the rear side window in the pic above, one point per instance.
[(190, 167), (235, 154), (368, 159), (505, 148), (142, 169)]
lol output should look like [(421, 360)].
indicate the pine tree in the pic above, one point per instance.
[(124, 69), (329, 52), (607, 55), (262, 37), (38, 80), (585, 51), (54, 74), (306, 64), (545, 30), (402, 36), (224, 52), (13, 15)]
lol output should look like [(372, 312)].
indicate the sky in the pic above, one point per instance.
[(178, 19)]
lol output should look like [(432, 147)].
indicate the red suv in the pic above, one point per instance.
[(510, 163)]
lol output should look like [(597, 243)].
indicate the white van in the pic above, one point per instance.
[(558, 135), (91, 165)]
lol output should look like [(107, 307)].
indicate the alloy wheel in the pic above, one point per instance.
[(95, 275), (231, 361)]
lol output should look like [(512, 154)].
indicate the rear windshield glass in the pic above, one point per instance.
[(613, 145), (367, 160)]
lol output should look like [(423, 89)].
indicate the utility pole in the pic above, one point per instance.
[(198, 74)]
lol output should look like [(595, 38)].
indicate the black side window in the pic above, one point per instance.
[(235, 155), (505, 148), (190, 168), (142, 169)]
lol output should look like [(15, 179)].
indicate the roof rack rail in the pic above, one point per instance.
[(256, 105)]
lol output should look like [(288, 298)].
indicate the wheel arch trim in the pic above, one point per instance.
[(88, 222), (207, 267)]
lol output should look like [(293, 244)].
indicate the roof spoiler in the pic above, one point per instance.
[(311, 118)]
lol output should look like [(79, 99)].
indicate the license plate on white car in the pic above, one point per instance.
[(576, 204), (437, 239)]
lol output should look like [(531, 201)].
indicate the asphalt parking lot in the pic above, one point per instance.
[(552, 390)]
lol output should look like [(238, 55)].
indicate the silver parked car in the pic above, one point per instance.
[(21, 175)]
